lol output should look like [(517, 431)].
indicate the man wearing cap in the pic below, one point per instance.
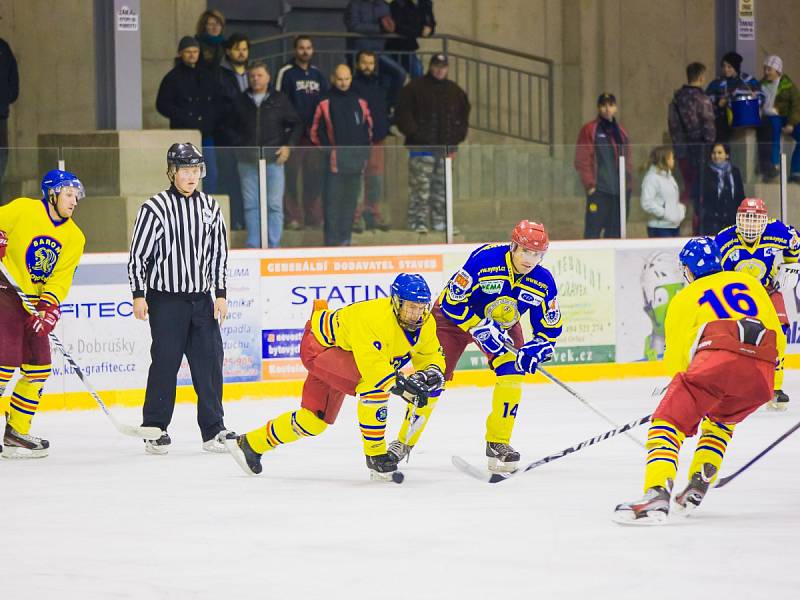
[(187, 97), (600, 144), (433, 115), (781, 111)]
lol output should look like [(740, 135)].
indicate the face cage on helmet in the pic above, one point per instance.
[(172, 169), (750, 225), (397, 304)]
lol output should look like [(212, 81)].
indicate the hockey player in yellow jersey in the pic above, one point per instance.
[(40, 245), (723, 340), (358, 350)]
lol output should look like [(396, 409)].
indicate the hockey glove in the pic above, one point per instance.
[(46, 318), (490, 337), (3, 243), (534, 352), (413, 389), (434, 378)]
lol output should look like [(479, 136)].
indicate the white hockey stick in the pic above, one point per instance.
[(146, 433)]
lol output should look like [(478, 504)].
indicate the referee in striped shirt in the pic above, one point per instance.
[(179, 255)]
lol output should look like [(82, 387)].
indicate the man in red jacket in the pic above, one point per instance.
[(599, 146)]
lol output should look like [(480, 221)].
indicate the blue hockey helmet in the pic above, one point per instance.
[(56, 180), (413, 289), (701, 256)]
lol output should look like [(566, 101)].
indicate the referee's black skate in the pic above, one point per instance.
[(689, 499), (242, 452), (23, 445), (502, 458), (381, 467)]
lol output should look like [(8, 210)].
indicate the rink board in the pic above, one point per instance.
[(603, 286)]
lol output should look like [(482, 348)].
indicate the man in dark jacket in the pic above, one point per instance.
[(342, 123), (9, 91), (692, 128), (261, 118), (433, 115), (600, 144), (188, 97), (373, 17), (231, 82), (369, 86), (412, 20), (304, 84)]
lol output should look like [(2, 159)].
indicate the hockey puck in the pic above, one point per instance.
[(398, 477)]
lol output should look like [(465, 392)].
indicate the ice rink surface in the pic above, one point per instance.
[(100, 519)]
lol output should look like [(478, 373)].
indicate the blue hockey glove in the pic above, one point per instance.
[(534, 352), (490, 337)]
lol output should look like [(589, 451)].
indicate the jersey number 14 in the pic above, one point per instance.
[(734, 296)]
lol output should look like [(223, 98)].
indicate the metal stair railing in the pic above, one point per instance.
[(511, 92)]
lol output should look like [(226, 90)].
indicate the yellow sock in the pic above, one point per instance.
[(505, 402), (286, 428), (711, 446), (372, 413), (411, 432), (663, 445), (6, 373), (779, 375), (26, 396)]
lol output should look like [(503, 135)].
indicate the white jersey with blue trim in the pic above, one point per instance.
[(488, 287)]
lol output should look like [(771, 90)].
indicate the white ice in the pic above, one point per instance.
[(100, 519)]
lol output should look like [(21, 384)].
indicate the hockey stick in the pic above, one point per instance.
[(462, 465), (147, 433), (580, 399), (725, 480)]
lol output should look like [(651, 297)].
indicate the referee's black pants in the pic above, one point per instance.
[(184, 324)]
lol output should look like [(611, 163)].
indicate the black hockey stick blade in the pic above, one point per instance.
[(487, 477)]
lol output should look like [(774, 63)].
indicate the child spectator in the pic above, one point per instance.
[(660, 196)]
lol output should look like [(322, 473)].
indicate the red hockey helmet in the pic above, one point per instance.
[(751, 218), (531, 236)]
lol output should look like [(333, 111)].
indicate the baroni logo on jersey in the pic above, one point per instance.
[(41, 258), (753, 267), (504, 310), (491, 287)]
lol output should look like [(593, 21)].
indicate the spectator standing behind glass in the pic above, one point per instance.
[(781, 111), (9, 91), (263, 118), (210, 33), (723, 89), (343, 125), (304, 84), (691, 126), (412, 20), (231, 81), (189, 98), (660, 197), (369, 86), (373, 17), (433, 115), (723, 192), (600, 144)]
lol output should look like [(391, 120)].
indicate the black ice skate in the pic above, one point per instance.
[(689, 499), (217, 443), (381, 467), (779, 402), (502, 457), (159, 446), (244, 455), (23, 445), (650, 509), (399, 450)]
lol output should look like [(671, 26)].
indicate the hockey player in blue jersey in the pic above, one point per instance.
[(483, 303), (754, 246)]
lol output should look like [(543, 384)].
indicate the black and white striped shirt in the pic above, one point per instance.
[(179, 245)]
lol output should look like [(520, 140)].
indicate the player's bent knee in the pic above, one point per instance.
[(308, 423), (35, 374)]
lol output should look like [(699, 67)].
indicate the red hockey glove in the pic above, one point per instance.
[(3, 243), (44, 322)]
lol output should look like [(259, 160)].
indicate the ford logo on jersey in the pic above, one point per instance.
[(41, 257)]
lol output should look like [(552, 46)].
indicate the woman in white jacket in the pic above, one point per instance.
[(660, 195)]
